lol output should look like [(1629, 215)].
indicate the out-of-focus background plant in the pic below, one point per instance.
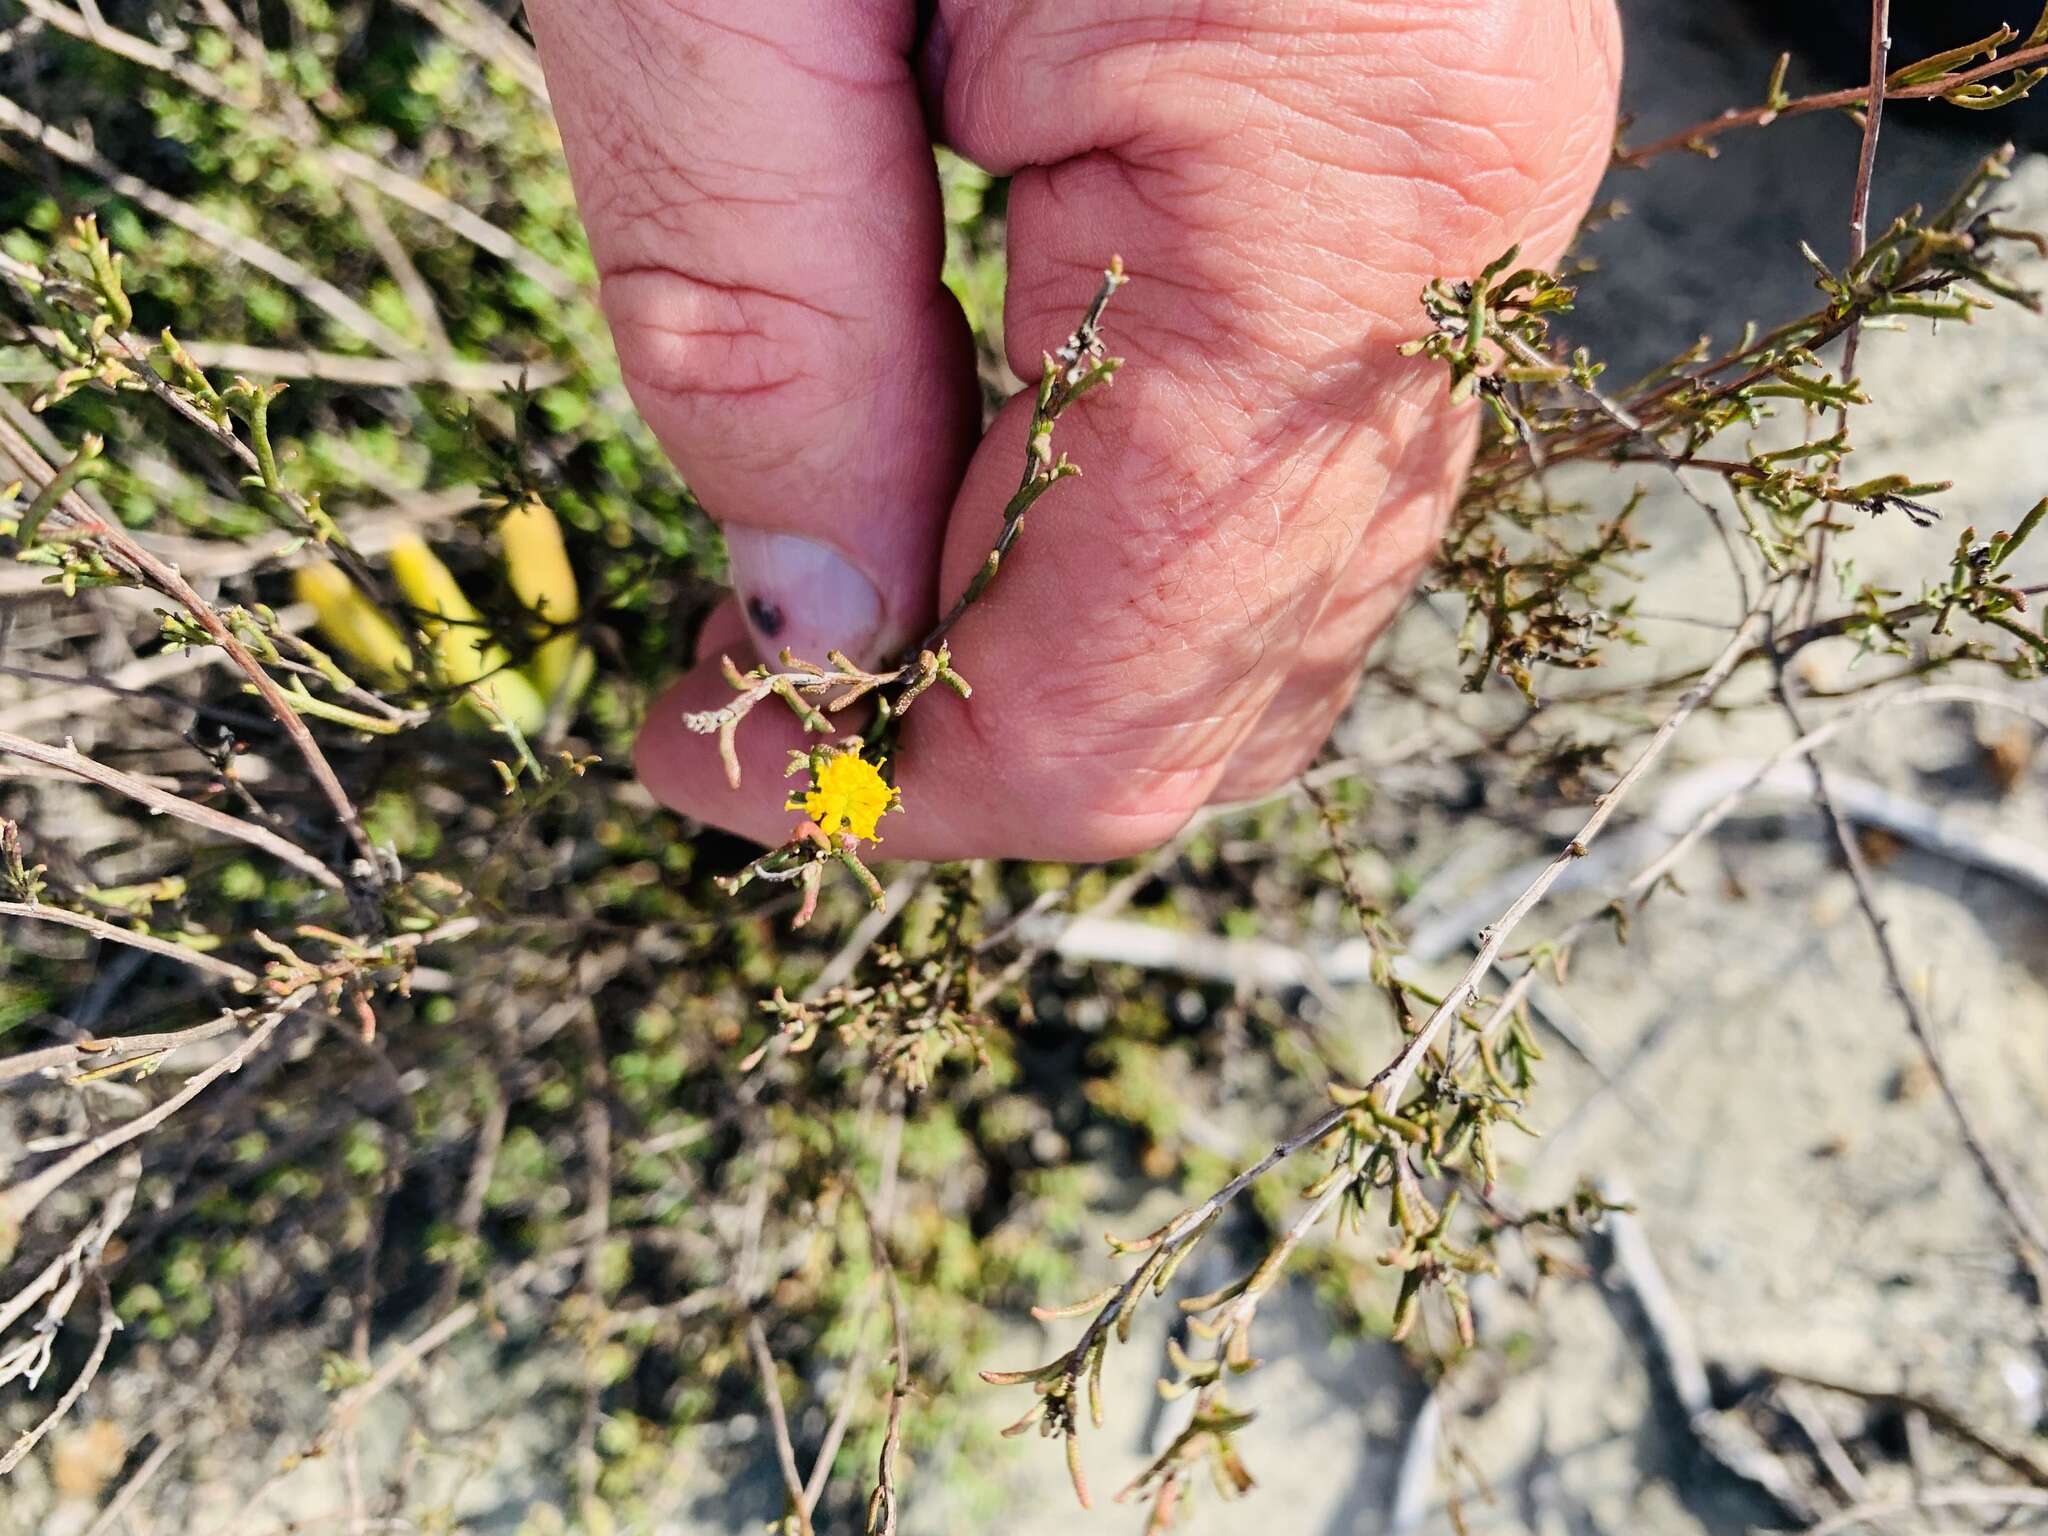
[(360, 1011)]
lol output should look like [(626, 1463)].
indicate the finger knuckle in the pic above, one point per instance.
[(688, 340)]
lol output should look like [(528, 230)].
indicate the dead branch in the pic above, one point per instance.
[(469, 376), (109, 1322), (117, 1049), (350, 1404), (1937, 1412), (882, 1503), (2026, 1225), (778, 1423), (1869, 808), (70, 760), (132, 556), (842, 1413), (1394, 1077), (89, 26), (1724, 1439), (19, 1201), (80, 1256), (226, 970), (1960, 1496), (131, 1489)]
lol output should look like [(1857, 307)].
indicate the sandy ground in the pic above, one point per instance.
[(1800, 1186)]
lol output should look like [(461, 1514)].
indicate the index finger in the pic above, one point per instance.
[(762, 204)]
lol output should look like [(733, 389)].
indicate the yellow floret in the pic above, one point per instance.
[(848, 794)]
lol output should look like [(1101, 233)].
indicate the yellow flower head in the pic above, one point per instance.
[(847, 795)]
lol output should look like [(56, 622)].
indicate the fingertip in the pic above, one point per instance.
[(804, 596)]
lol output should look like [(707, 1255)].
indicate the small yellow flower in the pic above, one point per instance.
[(847, 795)]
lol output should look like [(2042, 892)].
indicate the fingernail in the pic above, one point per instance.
[(803, 596)]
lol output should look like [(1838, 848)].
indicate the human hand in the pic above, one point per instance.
[(1265, 482)]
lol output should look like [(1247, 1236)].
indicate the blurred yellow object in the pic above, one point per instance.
[(352, 622), (462, 647), (461, 652), (537, 566), (464, 653)]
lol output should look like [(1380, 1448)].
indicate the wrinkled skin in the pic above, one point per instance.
[(1265, 481)]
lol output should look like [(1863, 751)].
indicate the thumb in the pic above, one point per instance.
[(758, 186)]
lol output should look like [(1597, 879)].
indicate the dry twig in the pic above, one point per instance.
[(183, 954), (1699, 136), (778, 1424), (110, 1321), (316, 290), (70, 760), (2027, 1228), (19, 1201)]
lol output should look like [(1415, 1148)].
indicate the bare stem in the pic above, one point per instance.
[(70, 760), (110, 1320), (164, 578), (184, 954), (778, 1423), (2026, 1224), (1700, 135), (1394, 1077), (19, 1201), (1859, 240)]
